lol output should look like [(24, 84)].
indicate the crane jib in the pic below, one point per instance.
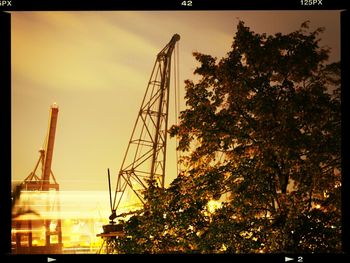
[(145, 155)]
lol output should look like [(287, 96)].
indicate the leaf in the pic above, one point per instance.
[(262, 125)]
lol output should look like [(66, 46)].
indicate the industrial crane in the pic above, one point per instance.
[(34, 182), (145, 156), (41, 184)]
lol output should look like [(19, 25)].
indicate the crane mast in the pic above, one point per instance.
[(163, 57), (43, 183), (49, 148), (145, 157)]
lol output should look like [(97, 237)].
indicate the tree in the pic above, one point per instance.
[(262, 124)]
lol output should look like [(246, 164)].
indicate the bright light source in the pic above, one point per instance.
[(212, 205)]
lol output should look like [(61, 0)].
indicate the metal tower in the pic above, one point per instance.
[(145, 156)]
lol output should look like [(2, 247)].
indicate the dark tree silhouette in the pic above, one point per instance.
[(263, 125)]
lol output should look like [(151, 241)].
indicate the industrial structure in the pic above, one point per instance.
[(145, 156), (45, 186)]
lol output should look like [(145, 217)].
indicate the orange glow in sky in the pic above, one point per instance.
[(96, 66)]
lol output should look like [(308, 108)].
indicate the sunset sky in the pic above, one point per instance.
[(96, 65)]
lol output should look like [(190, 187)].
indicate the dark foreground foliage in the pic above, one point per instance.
[(262, 128)]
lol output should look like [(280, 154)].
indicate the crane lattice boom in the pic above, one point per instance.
[(145, 157)]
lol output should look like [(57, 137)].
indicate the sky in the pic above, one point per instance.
[(96, 66)]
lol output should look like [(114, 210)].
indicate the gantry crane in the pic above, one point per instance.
[(145, 156), (41, 184)]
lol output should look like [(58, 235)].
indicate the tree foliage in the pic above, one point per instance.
[(262, 125)]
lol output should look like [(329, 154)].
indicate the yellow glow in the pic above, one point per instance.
[(326, 194), (82, 215), (223, 247), (246, 234), (212, 205)]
